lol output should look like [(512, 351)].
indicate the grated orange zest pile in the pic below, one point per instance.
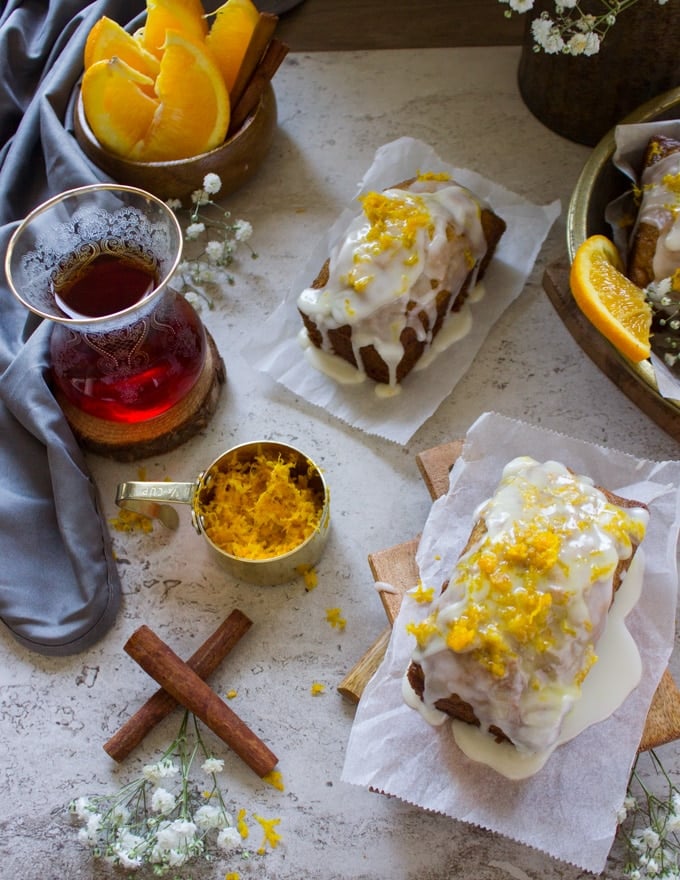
[(260, 509)]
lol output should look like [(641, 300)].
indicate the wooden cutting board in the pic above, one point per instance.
[(397, 566)]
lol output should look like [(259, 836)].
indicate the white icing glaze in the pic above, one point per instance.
[(614, 676), (405, 247), (526, 606), (660, 207)]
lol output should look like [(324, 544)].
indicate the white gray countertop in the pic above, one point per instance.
[(335, 110)]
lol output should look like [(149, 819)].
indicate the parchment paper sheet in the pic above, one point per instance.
[(275, 348), (568, 809)]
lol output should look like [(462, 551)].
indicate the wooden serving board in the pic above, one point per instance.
[(623, 374), (397, 566)]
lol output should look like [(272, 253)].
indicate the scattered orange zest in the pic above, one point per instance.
[(610, 301)]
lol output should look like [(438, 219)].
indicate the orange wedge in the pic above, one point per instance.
[(192, 116), (107, 39), (185, 16), (611, 302), (229, 36), (119, 104)]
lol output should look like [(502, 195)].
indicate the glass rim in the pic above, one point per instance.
[(102, 320)]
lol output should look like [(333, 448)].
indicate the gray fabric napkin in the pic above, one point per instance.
[(59, 588)]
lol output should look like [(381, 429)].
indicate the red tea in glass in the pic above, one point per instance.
[(97, 262), (143, 362)]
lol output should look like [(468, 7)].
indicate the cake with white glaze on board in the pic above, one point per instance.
[(403, 268), (655, 239), (510, 639)]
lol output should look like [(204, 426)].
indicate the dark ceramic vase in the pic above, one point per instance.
[(582, 97)]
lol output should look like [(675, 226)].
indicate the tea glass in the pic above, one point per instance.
[(120, 361)]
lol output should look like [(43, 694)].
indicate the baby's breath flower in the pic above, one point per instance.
[(219, 251), (228, 838), (569, 29), (212, 183), (162, 801), (209, 816), (193, 230), (200, 197), (81, 808), (650, 838), (242, 230), (212, 765), (164, 769), (214, 250), (148, 824), (648, 825)]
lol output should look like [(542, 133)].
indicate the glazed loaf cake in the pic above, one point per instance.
[(404, 266), (513, 634), (654, 251)]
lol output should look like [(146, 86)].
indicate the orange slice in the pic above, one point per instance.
[(230, 34), (107, 39), (185, 16), (611, 302), (119, 104), (192, 116)]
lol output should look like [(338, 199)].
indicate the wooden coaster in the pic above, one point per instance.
[(397, 567), (131, 442)]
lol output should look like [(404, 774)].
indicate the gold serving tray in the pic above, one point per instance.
[(397, 566), (599, 183)]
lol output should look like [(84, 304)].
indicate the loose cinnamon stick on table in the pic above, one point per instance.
[(181, 682), (260, 39), (274, 55), (203, 662)]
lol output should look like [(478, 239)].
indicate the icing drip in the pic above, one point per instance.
[(395, 259), (660, 207), (515, 632)]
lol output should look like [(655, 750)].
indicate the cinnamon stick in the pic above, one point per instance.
[(271, 61), (261, 36), (181, 682), (203, 662)]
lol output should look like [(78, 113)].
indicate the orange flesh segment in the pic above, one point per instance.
[(613, 304), (118, 104), (184, 126), (107, 39), (185, 16), (229, 36)]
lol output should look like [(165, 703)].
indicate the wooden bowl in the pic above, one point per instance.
[(236, 160)]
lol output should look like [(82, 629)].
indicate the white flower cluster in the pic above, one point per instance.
[(146, 823), (664, 298), (569, 30), (649, 824), (221, 237)]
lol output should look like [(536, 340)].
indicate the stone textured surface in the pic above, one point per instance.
[(334, 111)]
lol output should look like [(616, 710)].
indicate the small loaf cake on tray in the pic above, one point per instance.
[(654, 251), (403, 267), (510, 639)]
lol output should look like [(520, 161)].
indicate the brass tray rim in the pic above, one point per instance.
[(579, 221)]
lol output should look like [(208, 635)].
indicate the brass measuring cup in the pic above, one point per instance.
[(154, 500)]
